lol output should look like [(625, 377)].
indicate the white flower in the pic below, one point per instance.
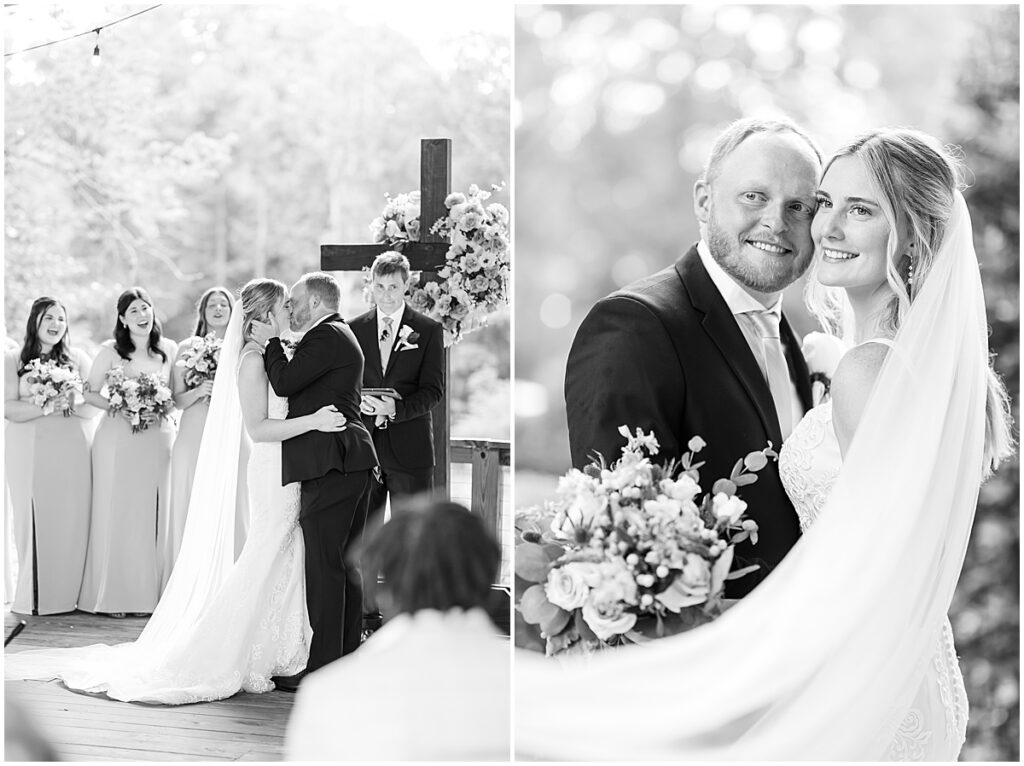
[(567, 587), (691, 587), (822, 352), (727, 508), (683, 489), (696, 444)]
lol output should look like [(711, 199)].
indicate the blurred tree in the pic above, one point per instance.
[(219, 142)]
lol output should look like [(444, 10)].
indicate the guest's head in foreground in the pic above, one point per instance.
[(433, 555)]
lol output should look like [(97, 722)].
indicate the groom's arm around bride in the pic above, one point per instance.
[(333, 468)]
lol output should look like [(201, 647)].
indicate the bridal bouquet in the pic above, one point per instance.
[(200, 360), (53, 385), (633, 551), (143, 400), (474, 279)]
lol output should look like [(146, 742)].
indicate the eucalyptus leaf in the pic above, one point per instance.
[(533, 562)]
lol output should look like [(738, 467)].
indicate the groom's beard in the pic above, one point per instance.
[(299, 319), (767, 274)]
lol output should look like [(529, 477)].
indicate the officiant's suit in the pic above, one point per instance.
[(415, 368), (666, 354), (335, 472)]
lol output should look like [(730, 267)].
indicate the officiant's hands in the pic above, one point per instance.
[(377, 405), (262, 332)]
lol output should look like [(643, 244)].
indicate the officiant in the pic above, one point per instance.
[(403, 380)]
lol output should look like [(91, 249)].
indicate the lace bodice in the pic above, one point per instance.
[(934, 728), (809, 463)]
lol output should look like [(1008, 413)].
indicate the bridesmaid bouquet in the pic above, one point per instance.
[(53, 385), (632, 551), (143, 400), (200, 360)]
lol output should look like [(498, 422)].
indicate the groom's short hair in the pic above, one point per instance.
[(391, 262), (325, 287), (740, 130)]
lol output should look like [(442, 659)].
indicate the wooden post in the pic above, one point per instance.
[(435, 186)]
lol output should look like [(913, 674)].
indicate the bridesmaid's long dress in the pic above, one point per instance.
[(49, 478), (131, 494)]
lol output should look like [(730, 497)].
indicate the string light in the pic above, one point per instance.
[(96, 50)]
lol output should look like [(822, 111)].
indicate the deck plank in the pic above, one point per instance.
[(86, 727)]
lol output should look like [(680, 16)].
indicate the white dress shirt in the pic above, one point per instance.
[(396, 323), (739, 302)]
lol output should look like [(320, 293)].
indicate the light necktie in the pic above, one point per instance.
[(776, 369), (385, 343)]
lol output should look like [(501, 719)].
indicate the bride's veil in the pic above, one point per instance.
[(205, 558), (822, 658), (208, 540)]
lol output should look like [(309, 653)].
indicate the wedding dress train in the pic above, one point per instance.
[(935, 726), (213, 633)]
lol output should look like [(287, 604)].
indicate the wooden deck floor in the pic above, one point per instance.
[(83, 727)]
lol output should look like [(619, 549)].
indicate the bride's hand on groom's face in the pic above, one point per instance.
[(264, 331)]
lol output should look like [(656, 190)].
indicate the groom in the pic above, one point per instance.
[(334, 468), (701, 348)]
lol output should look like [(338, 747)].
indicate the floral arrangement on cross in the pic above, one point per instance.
[(474, 279), (632, 551)]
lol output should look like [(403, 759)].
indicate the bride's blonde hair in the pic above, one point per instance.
[(258, 297), (915, 179)]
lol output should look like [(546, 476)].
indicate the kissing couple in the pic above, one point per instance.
[(292, 602)]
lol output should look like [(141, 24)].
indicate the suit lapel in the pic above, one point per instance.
[(366, 332), (721, 327)]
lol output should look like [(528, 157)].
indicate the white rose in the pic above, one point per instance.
[(567, 585), (822, 352), (606, 615)]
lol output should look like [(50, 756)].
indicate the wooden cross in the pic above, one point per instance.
[(426, 256)]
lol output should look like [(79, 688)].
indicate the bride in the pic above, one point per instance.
[(844, 652), (221, 626)]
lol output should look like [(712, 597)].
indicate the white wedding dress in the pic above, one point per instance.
[(211, 640), (934, 728)]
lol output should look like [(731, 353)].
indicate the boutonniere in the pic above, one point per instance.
[(406, 338), (822, 353)]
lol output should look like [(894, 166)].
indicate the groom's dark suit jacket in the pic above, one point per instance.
[(665, 354), (418, 375), (327, 368)]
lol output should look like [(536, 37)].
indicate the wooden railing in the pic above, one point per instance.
[(487, 457), (489, 482)]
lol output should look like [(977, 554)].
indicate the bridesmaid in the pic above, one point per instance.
[(47, 468), (131, 471), (213, 313)]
